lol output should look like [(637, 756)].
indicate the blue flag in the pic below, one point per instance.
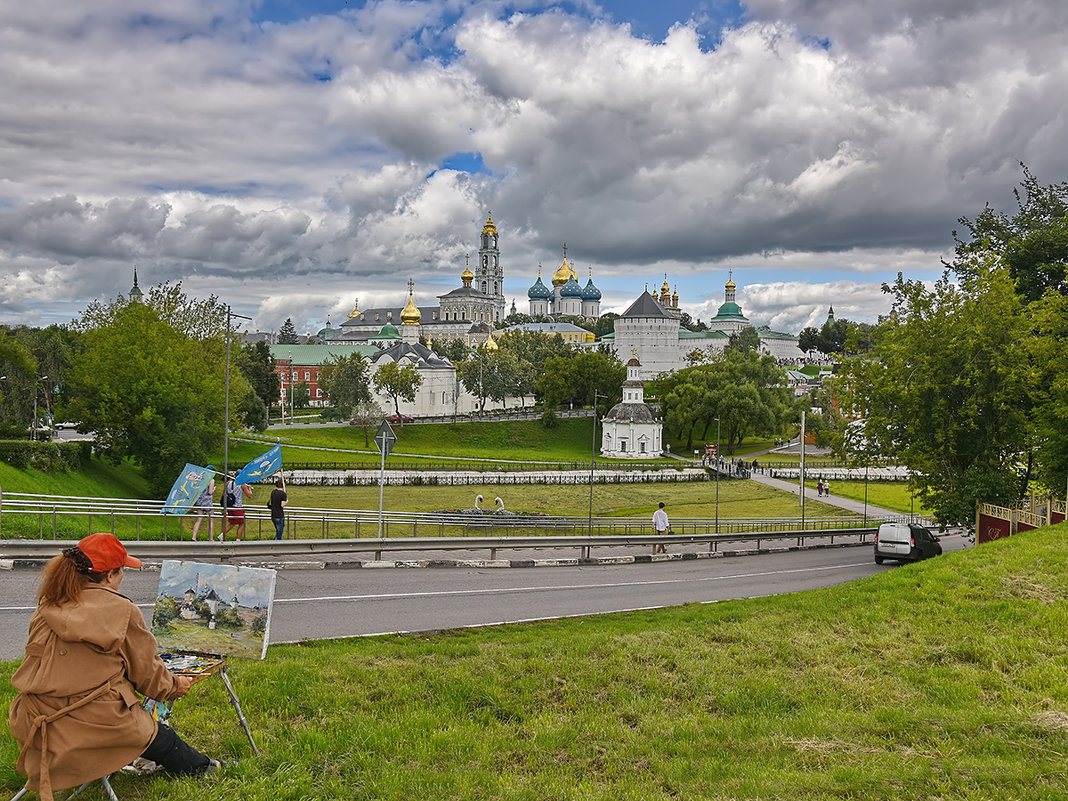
[(261, 467), (189, 486)]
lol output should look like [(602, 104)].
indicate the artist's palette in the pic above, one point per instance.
[(185, 664)]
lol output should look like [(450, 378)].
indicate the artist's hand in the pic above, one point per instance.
[(183, 685)]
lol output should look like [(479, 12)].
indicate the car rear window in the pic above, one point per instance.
[(894, 533)]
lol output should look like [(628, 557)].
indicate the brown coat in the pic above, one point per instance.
[(94, 656)]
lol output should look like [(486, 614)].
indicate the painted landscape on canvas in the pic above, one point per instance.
[(215, 609)]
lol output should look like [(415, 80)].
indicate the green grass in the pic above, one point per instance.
[(893, 495), (99, 479), (569, 441), (943, 680)]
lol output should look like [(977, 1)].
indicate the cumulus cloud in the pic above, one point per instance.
[(812, 145)]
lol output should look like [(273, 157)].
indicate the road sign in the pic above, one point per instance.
[(385, 439)]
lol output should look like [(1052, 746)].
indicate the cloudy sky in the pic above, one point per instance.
[(293, 155)]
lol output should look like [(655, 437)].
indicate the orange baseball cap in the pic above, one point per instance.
[(106, 552)]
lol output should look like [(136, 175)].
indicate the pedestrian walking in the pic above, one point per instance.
[(661, 526), (819, 488), (203, 505), (234, 503), (827, 488), (277, 504)]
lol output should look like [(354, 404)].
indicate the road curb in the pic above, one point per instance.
[(386, 564)]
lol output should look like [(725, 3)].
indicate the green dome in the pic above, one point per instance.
[(730, 310), (389, 331)]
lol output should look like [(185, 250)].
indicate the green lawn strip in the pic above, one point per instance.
[(568, 441), (947, 679), (893, 495), (100, 479)]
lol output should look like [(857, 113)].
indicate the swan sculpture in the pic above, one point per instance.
[(478, 500), (500, 504)]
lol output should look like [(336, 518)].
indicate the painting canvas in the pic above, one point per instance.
[(214, 609)]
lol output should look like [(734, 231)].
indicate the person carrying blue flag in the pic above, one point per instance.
[(203, 505)]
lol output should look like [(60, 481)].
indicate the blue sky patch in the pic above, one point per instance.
[(466, 162)]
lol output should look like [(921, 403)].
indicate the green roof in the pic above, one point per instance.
[(319, 354), (730, 311), (686, 333)]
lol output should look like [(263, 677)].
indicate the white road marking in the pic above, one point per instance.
[(504, 590), (549, 588)]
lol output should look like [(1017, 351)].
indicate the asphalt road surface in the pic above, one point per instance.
[(321, 604)]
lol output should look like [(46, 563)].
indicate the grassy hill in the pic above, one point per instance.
[(99, 479), (943, 680)]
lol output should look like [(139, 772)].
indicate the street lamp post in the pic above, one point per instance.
[(226, 422), (716, 462), (593, 448)]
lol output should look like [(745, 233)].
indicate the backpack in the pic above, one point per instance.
[(230, 496)]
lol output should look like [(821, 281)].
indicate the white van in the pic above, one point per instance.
[(905, 542)]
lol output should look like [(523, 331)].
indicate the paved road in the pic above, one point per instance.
[(318, 604)]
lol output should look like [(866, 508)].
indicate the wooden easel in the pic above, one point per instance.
[(218, 666)]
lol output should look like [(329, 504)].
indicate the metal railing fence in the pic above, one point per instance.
[(48, 517)]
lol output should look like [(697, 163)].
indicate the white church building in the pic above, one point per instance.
[(631, 429)]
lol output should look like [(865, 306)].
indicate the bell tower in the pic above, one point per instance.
[(489, 275)]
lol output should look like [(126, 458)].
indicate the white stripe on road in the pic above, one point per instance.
[(504, 590)]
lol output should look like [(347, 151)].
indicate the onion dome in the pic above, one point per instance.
[(590, 292), (675, 297), (489, 227), (389, 331), (355, 310), (467, 276), (730, 284), (410, 315), (539, 291), (565, 272), (571, 288), (490, 343), (665, 289)]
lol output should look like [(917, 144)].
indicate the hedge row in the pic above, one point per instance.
[(48, 457)]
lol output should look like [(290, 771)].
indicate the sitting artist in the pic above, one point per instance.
[(78, 717)]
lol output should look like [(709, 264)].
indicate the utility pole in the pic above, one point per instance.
[(593, 448), (226, 422), (715, 463)]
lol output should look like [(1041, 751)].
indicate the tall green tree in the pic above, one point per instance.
[(945, 390), (151, 392), (345, 381), (745, 391), (397, 382), (1048, 380), (287, 334), (1032, 243)]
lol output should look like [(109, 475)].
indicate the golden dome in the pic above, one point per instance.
[(410, 315), (675, 296), (561, 276), (489, 227), (729, 285), (467, 276), (355, 310), (490, 344), (665, 289)]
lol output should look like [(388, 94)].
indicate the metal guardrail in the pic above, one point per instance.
[(51, 518), (23, 549)]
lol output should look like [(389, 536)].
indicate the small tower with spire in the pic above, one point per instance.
[(410, 317), (135, 291)]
